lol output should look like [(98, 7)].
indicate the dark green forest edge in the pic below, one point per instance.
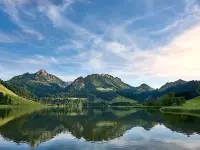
[(98, 90)]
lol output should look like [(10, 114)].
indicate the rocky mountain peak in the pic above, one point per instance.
[(42, 72)]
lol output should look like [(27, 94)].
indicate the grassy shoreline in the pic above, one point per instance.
[(191, 107), (171, 110), (181, 110)]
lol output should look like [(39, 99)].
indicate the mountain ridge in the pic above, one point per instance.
[(40, 83), (95, 83), (172, 84), (103, 86)]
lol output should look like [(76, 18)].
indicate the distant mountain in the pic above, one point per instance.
[(100, 81), (136, 93), (95, 86), (183, 88), (40, 83), (95, 82), (144, 88), (172, 84), (99, 88)]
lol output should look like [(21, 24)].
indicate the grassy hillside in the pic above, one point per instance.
[(15, 99), (193, 104), (191, 107)]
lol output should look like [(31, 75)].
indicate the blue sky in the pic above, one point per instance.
[(140, 41)]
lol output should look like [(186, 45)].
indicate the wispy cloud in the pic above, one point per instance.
[(4, 38), (123, 56), (187, 18), (12, 8), (148, 15), (129, 46)]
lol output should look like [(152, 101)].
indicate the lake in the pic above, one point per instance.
[(97, 129)]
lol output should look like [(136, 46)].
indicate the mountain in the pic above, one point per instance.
[(172, 84), (139, 93), (39, 84), (95, 83), (95, 87), (98, 88), (144, 88), (180, 87), (188, 89), (13, 98)]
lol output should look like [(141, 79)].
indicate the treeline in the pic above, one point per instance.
[(64, 102), (167, 100), (17, 90), (5, 99)]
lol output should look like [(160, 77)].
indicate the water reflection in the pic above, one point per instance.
[(61, 128)]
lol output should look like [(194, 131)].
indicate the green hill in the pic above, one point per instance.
[(15, 99), (191, 107), (194, 103), (22, 92)]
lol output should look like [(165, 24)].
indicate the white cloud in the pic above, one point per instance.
[(122, 56), (55, 60), (116, 47), (68, 4), (53, 13), (180, 57), (176, 59), (95, 63), (119, 49)]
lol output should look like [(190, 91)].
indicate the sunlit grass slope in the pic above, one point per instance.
[(191, 107), (193, 104), (15, 99)]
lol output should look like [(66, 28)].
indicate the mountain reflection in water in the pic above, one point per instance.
[(62, 128)]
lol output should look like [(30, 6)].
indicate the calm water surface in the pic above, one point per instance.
[(97, 129)]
